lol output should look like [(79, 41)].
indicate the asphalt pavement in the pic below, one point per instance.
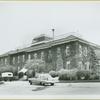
[(24, 88)]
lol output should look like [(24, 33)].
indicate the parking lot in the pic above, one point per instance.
[(21, 88)]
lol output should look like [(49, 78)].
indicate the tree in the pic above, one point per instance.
[(53, 73), (37, 65), (93, 60)]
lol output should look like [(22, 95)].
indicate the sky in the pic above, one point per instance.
[(20, 22)]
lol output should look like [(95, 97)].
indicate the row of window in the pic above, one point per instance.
[(67, 52), (82, 50), (3, 61), (14, 59), (42, 55)]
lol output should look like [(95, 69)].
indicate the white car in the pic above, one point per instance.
[(42, 79), (7, 76)]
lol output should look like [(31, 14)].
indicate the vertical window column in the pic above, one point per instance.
[(5, 60), (87, 65), (2, 60), (13, 60), (80, 50), (68, 64), (29, 56), (85, 51), (23, 57), (59, 59), (42, 55), (67, 50), (35, 56), (18, 59), (80, 65)]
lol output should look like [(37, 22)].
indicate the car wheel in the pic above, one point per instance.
[(30, 83), (40, 83), (43, 84), (52, 84)]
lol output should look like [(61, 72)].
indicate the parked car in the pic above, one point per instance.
[(7, 76), (43, 79)]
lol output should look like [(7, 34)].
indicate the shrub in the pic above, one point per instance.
[(93, 77), (96, 77), (30, 73), (15, 78), (74, 74), (83, 75), (65, 74), (53, 73), (21, 74)]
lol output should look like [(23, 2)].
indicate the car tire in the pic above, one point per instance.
[(40, 83), (30, 83), (43, 84), (52, 84)]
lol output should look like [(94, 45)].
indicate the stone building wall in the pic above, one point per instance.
[(68, 56), (86, 57)]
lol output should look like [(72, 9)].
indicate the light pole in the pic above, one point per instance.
[(53, 32), (17, 63)]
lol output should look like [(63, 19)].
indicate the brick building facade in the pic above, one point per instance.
[(68, 53)]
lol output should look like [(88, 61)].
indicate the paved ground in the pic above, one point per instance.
[(24, 88)]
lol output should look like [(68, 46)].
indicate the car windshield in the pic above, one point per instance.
[(45, 77)]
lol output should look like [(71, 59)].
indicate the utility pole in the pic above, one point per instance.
[(53, 33)]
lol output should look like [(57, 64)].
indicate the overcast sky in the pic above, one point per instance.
[(20, 22)]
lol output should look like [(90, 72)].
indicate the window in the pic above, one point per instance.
[(13, 60), (29, 57), (68, 64), (59, 53), (23, 57), (42, 55), (2, 60), (85, 51), (67, 50), (5, 60), (80, 50), (80, 65), (87, 65), (18, 59), (59, 59), (49, 55), (35, 56), (58, 50)]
